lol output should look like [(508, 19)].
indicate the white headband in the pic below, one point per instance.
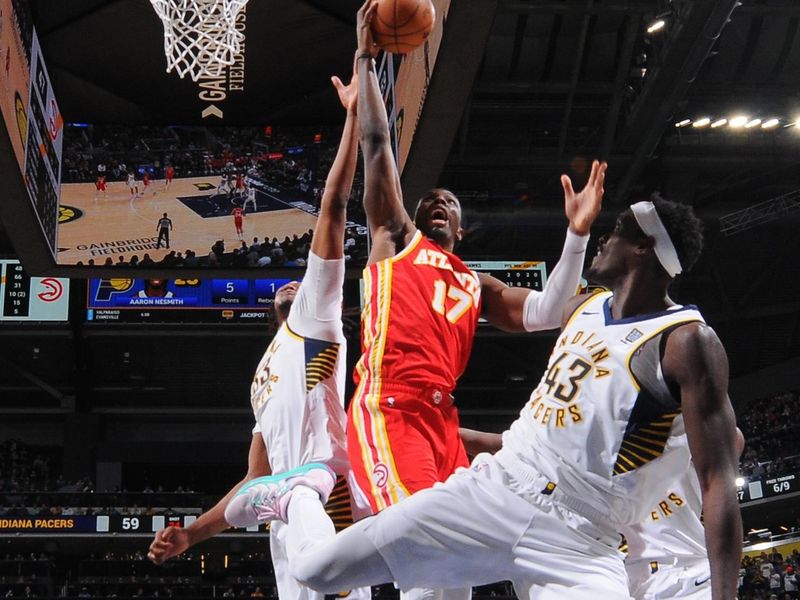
[(646, 216)]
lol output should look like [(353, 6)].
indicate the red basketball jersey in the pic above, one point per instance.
[(420, 313), (169, 172), (237, 214)]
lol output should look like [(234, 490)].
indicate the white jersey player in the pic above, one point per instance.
[(667, 556), (297, 392), (250, 193)]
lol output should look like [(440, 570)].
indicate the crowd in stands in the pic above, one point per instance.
[(771, 428), (769, 576), (31, 485), (264, 252)]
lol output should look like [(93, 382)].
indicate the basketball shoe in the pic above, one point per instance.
[(267, 498)]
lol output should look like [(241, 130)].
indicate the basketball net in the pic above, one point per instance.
[(200, 36)]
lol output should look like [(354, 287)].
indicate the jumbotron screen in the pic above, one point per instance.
[(181, 300)]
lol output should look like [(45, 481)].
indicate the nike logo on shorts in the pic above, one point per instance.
[(701, 581)]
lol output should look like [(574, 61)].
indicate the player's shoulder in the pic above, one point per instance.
[(574, 304)]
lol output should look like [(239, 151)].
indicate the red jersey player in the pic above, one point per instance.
[(240, 184), (145, 182), (169, 175), (100, 184), (238, 219), (421, 311)]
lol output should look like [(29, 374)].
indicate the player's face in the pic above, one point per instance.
[(284, 298), (614, 250), (438, 216)]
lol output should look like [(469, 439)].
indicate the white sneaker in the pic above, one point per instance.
[(267, 498)]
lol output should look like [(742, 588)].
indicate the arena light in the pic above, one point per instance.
[(701, 122), (718, 123), (770, 124), (738, 121), (683, 123), (739, 481), (656, 26), (752, 123)]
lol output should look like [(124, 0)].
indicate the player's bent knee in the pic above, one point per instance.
[(315, 573)]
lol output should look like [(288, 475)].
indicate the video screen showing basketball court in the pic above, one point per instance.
[(268, 180)]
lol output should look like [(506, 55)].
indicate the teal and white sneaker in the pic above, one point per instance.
[(267, 498)]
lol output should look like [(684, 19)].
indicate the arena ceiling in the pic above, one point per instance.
[(545, 86)]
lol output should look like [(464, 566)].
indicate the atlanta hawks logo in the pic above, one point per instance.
[(380, 475)]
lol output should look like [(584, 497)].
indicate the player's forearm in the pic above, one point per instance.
[(544, 311), (372, 121), (723, 525), (476, 442), (212, 522), (339, 183)]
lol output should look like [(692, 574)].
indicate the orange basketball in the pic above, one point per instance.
[(400, 26)]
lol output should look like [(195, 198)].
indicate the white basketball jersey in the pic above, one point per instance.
[(602, 424), (673, 529), (297, 392)]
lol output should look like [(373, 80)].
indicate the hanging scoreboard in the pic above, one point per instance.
[(24, 298)]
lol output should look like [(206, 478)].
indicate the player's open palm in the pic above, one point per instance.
[(168, 542), (583, 207), (348, 94)]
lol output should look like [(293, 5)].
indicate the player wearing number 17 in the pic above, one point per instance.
[(421, 309)]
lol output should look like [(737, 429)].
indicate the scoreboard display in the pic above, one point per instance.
[(181, 300), (767, 487), (24, 298), (99, 524), (526, 274)]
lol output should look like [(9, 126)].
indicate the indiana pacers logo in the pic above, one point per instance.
[(67, 214), (108, 287)]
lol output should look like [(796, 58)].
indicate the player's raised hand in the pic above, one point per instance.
[(582, 208), (168, 542), (364, 17), (348, 94)]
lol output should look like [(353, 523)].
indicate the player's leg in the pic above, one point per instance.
[(288, 587), (565, 555), (456, 534)]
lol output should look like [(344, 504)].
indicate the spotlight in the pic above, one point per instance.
[(738, 121), (683, 123), (656, 26), (769, 124), (753, 123), (718, 123), (739, 481), (701, 122)]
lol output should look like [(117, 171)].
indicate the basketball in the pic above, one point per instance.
[(400, 26)]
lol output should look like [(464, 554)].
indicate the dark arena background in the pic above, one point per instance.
[(125, 368)]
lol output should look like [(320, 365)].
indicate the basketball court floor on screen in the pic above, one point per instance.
[(96, 226)]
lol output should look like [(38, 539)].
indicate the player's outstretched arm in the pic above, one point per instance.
[(695, 359), (519, 309), (476, 442), (328, 240), (390, 226), (173, 541)]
